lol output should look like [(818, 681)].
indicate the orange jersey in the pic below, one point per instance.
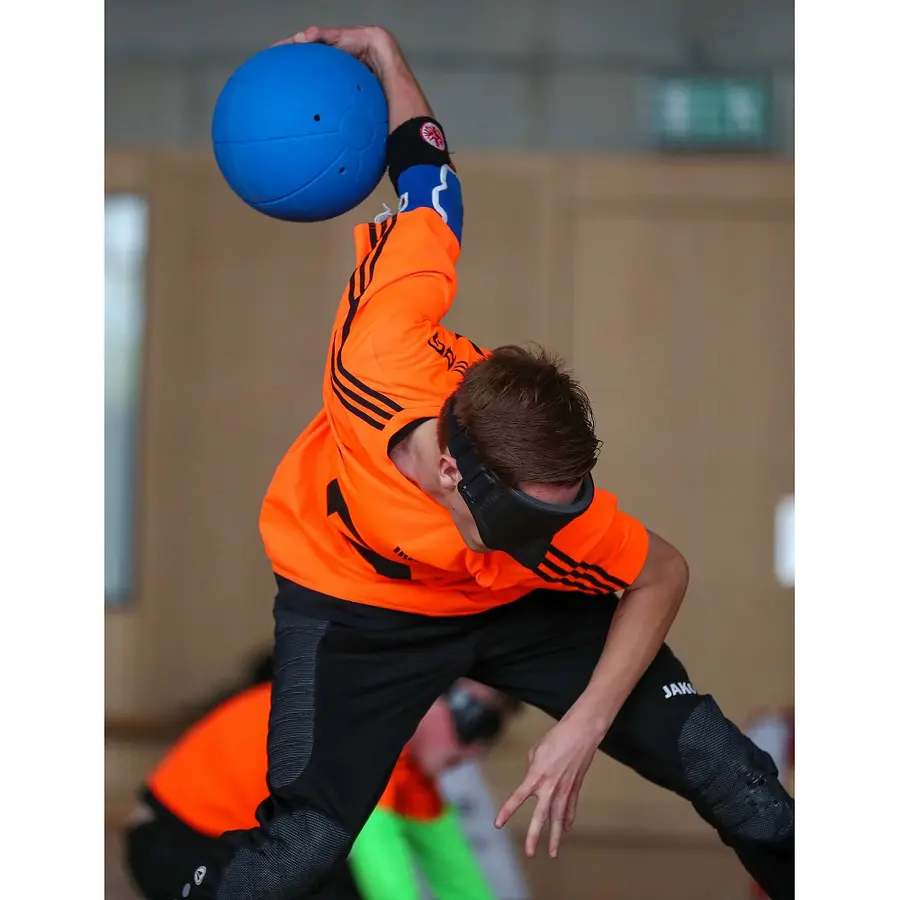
[(411, 793), (341, 519), (214, 778)]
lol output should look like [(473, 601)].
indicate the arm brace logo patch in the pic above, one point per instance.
[(433, 135)]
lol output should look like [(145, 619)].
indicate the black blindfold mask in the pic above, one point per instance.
[(509, 519)]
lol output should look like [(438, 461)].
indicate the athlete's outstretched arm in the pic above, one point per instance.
[(558, 763)]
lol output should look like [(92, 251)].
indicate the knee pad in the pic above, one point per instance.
[(730, 780), (306, 846)]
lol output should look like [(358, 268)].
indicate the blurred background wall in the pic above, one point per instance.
[(505, 74), (666, 280)]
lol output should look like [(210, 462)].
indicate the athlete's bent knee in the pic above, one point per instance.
[(304, 846), (731, 782)]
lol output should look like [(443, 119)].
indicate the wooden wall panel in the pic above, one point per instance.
[(684, 342), (506, 268), (242, 309)]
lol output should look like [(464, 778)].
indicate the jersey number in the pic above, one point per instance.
[(389, 568)]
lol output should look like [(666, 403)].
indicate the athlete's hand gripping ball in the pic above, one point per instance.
[(367, 43)]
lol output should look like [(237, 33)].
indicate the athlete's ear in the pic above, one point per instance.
[(448, 473)]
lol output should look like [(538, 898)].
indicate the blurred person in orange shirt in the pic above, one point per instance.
[(214, 778)]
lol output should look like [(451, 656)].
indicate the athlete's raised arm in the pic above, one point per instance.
[(417, 249)]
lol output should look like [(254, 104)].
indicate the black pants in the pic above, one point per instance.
[(159, 852), (352, 682)]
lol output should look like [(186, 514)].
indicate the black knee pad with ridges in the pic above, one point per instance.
[(732, 782)]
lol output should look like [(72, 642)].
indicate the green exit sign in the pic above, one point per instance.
[(711, 113)]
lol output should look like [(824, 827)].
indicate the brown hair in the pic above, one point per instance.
[(529, 419)]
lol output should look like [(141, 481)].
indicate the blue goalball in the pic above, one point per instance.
[(300, 132)]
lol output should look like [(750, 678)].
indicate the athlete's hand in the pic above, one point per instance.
[(557, 765), (368, 43)]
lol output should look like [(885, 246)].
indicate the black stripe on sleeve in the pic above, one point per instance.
[(585, 579), (568, 582), (619, 584), (379, 426), (365, 396), (343, 391)]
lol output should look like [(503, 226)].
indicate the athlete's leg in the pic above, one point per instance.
[(351, 684), (158, 848), (543, 650)]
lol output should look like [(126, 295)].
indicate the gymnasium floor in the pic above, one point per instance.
[(585, 871)]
